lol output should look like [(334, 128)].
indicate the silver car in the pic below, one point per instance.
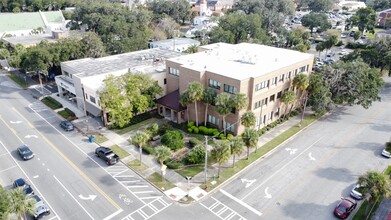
[(357, 192), (386, 153)]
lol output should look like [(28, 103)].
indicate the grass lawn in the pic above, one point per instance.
[(99, 138), (119, 151), (388, 170), (190, 170), (135, 164), (18, 80), (67, 114), (156, 179), (135, 126), (226, 173), (360, 214)]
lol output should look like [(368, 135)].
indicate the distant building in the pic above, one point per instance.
[(383, 34), (262, 73), (351, 5), (29, 23), (382, 16), (84, 77), (175, 44)]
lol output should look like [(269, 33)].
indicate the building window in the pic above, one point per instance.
[(165, 81), (229, 127), (259, 121), (274, 81), (270, 115), (86, 96), (66, 73), (261, 85), (279, 95), (288, 75), (272, 98), (174, 71), (295, 72), (214, 84), (229, 89), (281, 78), (308, 66), (92, 99), (260, 103), (213, 120), (277, 112), (302, 69)]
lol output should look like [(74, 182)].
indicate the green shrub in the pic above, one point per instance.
[(67, 114), (171, 164), (203, 130), (190, 130), (195, 130), (173, 139), (216, 133), (153, 129), (164, 128), (196, 155), (148, 149), (190, 124), (229, 136), (193, 142), (51, 102)]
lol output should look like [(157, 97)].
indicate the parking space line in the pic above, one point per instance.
[(4, 154), (8, 168), (138, 186), (143, 192), (222, 210), (130, 181), (113, 214), (241, 202), (119, 173)]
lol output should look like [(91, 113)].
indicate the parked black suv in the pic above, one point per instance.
[(67, 125), (107, 155)]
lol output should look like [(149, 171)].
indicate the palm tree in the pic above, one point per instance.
[(139, 139), (237, 145), (288, 98), (376, 184), (301, 81), (250, 139), (208, 97), (248, 119), (184, 100), (5, 203), (221, 153), (223, 106), (239, 101), (21, 204), (162, 153), (195, 93), (320, 47)]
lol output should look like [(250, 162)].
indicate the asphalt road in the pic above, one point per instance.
[(65, 172), (306, 177)]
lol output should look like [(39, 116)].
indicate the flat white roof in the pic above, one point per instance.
[(178, 42), (241, 61), (88, 67)]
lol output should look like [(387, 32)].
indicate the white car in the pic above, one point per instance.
[(356, 192), (386, 153), (41, 209)]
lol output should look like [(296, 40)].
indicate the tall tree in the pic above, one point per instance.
[(320, 5), (248, 119), (221, 153), (36, 61), (301, 81), (223, 104), (315, 20), (4, 54), (288, 98), (185, 101), (92, 45), (365, 19), (195, 92), (320, 47), (21, 204), (5, 203), (208, 97), (319, 93), (239, 101), (238, 27), (250, 138), (376, 184), (139, 139), (237, 145), (162, 153)]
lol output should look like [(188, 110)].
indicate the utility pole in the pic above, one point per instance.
[(206, 159)]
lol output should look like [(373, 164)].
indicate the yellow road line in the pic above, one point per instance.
[(68, 160)]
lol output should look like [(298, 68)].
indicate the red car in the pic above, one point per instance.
[(345, 207)]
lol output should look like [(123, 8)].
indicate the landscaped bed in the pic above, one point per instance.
[(67, 114), (51, 102), (164, 184), (18, 80), (119, 151), (135, 165)]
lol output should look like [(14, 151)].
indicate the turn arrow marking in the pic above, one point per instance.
[(89, 197), (311, 157), (248, 182), (268, 195)]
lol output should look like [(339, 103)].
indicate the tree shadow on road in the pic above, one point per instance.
[(336, 174), (296, 210)]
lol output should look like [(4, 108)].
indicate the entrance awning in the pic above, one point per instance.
[(171, 101)]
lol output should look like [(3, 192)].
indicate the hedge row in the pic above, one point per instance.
[(51, 102)]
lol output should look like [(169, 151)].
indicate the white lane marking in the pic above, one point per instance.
[(310, 156), (38, 158), (15, 122), (248, 182), (241, 202), (291, 150), (31, 136), (7, 169), (36, 176), (119, 173), (25, 174), (89, 197), (114, 214), (143, 192), (48, 169), (218, 203), (138, 186), (267, 194), (43, 164), (123, 185), (3, 154), (62, 185), (282, 168)]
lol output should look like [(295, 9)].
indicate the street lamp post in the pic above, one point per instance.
[(188, 184)]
